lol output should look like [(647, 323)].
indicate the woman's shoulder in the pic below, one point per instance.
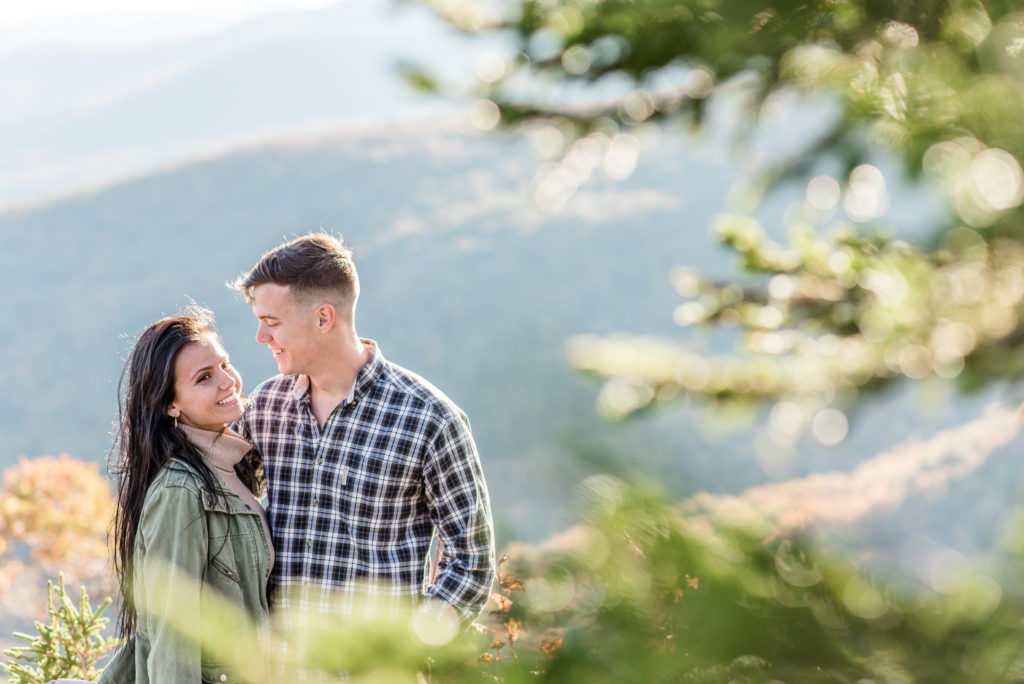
[(175, 494), (177, 474)]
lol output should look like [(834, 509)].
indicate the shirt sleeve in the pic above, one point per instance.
[(460, 509), (241, 426), (173, 529)]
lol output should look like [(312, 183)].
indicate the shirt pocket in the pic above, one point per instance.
[(383, 491)]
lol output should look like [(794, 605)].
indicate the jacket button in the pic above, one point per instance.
[(223, 678)]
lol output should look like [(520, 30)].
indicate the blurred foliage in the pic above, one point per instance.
[(54, 514), (638, 592), (69, 644), (841, 307), (641, 593)]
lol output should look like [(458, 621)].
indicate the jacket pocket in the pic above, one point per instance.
[(225, 570), (218, 675)]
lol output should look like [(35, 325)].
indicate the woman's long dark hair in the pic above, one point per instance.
[(148, 439)]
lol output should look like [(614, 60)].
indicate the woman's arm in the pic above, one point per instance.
[(168, 581)]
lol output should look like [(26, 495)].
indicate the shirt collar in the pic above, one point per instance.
[(365, 379)]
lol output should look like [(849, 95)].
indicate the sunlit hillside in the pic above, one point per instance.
[(781, 246), (465, 280), (86, 118)]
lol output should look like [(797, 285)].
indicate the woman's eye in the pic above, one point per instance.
[(203, 378)]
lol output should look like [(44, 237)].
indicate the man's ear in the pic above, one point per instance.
[(326, 317)]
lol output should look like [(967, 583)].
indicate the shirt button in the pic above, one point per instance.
[(314, 502), (308, 543), (223, 678)]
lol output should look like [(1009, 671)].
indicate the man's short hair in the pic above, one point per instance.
[(314, 264)]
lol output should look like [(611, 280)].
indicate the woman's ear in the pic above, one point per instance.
[(173, 411)]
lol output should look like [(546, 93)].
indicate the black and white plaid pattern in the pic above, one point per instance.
[(352, 509)]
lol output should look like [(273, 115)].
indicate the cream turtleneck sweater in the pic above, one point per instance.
[(223, 450)]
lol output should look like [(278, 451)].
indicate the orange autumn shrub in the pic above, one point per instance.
[(54, 515)]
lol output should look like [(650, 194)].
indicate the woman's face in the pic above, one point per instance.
[(206, 386)]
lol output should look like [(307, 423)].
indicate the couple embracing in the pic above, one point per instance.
[(361, 462)]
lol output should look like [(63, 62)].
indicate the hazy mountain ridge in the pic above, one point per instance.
[(464, 281), (478, 295), (85, 117)]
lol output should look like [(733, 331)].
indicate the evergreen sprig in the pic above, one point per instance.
[(68, 645)]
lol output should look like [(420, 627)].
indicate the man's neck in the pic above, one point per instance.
[(333, 381)]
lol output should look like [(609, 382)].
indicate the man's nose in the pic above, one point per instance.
[(261, 335)]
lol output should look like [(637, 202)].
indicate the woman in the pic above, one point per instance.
[(189, 532)]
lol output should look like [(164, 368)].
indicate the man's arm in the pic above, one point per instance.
[(460, 509), (242, 426)]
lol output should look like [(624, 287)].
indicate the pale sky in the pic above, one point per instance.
[(113, 25)]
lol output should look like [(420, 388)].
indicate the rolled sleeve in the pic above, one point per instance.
[(460, 509)]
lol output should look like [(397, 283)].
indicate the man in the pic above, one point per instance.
[(364, 460)]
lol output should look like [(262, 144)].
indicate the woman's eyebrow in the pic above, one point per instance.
[(204, 368)]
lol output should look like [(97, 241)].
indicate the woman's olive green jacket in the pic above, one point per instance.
[(195, 551)]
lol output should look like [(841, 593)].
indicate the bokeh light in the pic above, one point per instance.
[(637, 107), (621, 158), (866, 196), (997, 183), (823, 192), (491, 67), (699, 83), (830, 426), (484, 115), (576, 60)]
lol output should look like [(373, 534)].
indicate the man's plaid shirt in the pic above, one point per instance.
[(353, 507)]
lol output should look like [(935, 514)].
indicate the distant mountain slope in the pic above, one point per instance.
[(464, 281), (899, 497), (82, 118)]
